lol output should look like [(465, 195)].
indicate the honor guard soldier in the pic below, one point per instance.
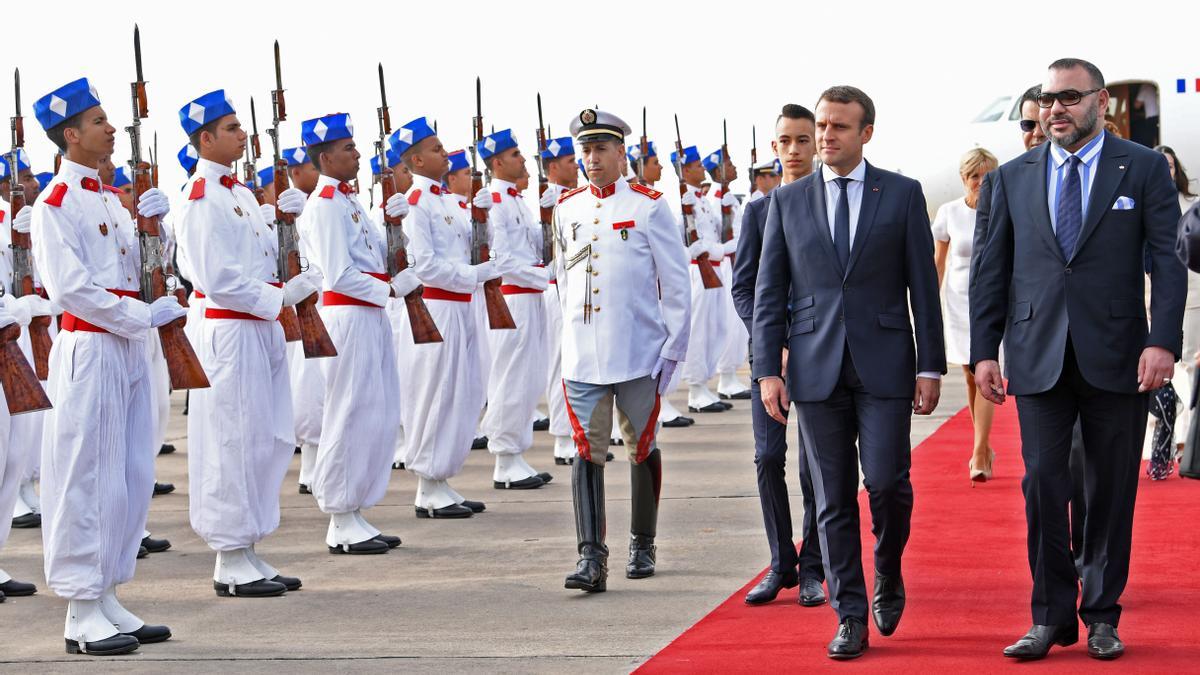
[(442, 388), (707, 334), (623, 284), (97, 454), (362, 385), (518, 369), (735, 347), (764, 177), (240, 430)]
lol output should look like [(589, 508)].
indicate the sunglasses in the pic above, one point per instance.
[(1068, 98), (1028, 126)]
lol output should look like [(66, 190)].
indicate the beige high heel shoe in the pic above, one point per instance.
[(982, 475)]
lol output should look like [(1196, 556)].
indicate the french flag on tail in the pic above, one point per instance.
[(1181, 86)]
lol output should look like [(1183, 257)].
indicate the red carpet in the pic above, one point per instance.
[(968, 583)]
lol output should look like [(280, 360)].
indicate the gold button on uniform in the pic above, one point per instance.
[(595, 237), (596, 308), (596, 221), (595, 273), (595, 255), (596, 290), (598, 204)]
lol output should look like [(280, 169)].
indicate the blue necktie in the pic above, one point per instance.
[(841, 224), (1069, 216)]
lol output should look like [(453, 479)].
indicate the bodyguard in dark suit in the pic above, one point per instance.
[(851, 247), (794, 145), (1061, 281)]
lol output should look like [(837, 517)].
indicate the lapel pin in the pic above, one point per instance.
[(875, 189), (1121, 167)]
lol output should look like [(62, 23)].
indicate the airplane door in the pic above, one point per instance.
[(1133, 109)]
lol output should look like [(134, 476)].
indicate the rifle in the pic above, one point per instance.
[(424, 330), (21, 387), (546, 213), (708, 276), (726, 211), (182, 365), (643, 150), (287, 315), (317, 343), (180, 292), (499, 318), (22, 282)]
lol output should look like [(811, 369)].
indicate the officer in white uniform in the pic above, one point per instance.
[(736, 348)]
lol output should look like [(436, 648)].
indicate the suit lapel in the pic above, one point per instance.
[(871, 192), (1036, 169), (1110, 169), (819, 217)]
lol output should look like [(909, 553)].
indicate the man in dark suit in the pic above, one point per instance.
[(1061, 280), (793, 145), (851, 246)]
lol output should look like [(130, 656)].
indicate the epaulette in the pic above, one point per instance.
[(495, 197), (648, 191), (109, 188), (571, 193), (56, 195), (327, 192), (414, 197), (197, 189)]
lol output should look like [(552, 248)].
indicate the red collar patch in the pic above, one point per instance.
[(345, 188), (512, 192), (436, 189), (90, 184), (604, 192), (462, 204)]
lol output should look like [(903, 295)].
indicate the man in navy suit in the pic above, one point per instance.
[(1061, 280), (852, 248), (793, 144)]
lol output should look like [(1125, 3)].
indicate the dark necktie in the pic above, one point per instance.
[(841, 223), (1069, 216)]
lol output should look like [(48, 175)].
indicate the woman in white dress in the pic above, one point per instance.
[(953, 234), (1186, 368)]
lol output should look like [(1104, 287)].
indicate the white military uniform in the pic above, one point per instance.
[(97, 453), (359, 425), (240, 434), (443, 383), (402, 339), (308, 384), (519, 356), (737, 340), (708, 307)]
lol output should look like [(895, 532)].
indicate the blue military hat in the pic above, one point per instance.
[(559, 147), (713, 160), (458, 161), (188, 157), (496, 143), (251, 184), (295, 156), (392, 160), (408, 135), (635, 151), (66, 101), (44, 179), (690, 154), (266, 176), (22, 159), (208, 108), (325, 129), (121, 177)]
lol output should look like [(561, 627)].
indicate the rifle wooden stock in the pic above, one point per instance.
[(39, 326), (708, 275), (287, 315), (313, 334), (499, 317), (21, 387), (424, 329)]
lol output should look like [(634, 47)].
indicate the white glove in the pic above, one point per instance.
[(291, 201), (664, 369), (268, 213), (688, 198), (22, 221), (549, 198), (729, 200), (483, 199), (153, 203), (37, 305), (396, 207), (165, 310), (298, 288), (405, 282), (486, 271)]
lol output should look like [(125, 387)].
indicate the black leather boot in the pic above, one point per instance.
[(587, 488), (645, 480)]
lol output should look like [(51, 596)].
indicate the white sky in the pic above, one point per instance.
[(929, 66)]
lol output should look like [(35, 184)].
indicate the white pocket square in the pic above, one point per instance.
[(1123, 204)]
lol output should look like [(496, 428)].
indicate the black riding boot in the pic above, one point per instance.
[(587, 488), (646, 485)]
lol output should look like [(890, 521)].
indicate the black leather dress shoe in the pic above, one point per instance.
[(17, 589), (367, 547), (304, 489), (1103, 642), (290, 583), (677, 423), (452, 511), (740, 396), (163, 488), (530, 483), (391, 540), (27, 521), (812, 593), (590, 576), (1037, 642), (715, 407), (166, 449), (725, 404), (142, 552), (608, 457), (476, 507), (642, 554), (113, 646), (298, 450), (850, 642), (397, 466), (768, 589), (561, 461), (263, 588), (155, 545), (542, 424), (480, 443), (546, 478), (888, 605), (148, 634), (1, 598)]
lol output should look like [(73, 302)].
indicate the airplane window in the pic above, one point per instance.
[(995, 110)]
